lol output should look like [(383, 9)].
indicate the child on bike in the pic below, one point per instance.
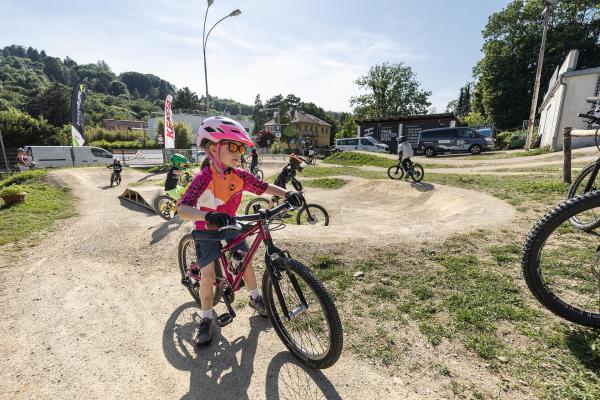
[(405, 152), (253, 160), (212, 200), (116, 166), (179, 164), (288, 173)]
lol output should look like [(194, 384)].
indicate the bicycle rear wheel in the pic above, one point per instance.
[(165, 207), (561, 265), (312, 214), (395, 172), (186, 254), (313, 333), (590, 219)]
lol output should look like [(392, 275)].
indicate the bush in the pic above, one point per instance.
[(19, 129), (502, 139), (95, 134), (21, 177), (12, 194)]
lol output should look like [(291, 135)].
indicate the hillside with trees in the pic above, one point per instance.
[(35, 89)]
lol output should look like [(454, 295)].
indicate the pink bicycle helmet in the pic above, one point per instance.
[(217, 129)]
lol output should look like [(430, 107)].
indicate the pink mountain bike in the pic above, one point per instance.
[(300, 308)]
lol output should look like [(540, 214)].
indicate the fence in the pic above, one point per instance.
[(8, 160)]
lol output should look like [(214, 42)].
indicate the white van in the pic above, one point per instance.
[(62, 156), (361, 143)]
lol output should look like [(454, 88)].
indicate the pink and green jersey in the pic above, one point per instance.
[(209, 192)]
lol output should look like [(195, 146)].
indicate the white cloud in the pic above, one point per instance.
[(319, 71)]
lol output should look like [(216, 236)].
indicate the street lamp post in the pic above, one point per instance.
[(205, 35), (536, 86)]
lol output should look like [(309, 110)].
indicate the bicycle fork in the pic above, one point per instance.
[(275, 273)]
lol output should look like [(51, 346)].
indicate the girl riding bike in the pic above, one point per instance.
[(212, 200)]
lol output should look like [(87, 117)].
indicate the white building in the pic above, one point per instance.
[(193, 119), (565, 99)]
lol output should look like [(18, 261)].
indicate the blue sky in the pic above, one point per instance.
[(314, 49)]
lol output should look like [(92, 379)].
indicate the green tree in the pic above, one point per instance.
[(392, 90), (452, 106), (511, 43), (20, 129), (117, 88), (183, 137), (348, 127), (185, 99), (258, 116), (54, 104), (475, 119)]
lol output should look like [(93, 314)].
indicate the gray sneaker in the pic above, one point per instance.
[(205, 332), (259, 305)]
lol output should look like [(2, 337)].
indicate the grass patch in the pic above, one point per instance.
[(320, 172), (359, 159), (44, 205), (512, 154), (325, 183), (516, 190)]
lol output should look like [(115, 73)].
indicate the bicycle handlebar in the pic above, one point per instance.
[(260, 216), (590, 117)]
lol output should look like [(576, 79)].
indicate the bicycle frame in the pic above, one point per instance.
[(590, 182), (264, 235), (594, 174)]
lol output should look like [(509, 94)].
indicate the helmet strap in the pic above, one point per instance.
[(219, 166)]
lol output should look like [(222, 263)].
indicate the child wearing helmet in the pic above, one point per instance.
[(288, 173), (405, 152), (179, 163), (212, 200)]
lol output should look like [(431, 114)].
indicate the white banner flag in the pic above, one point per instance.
[(169, 132)]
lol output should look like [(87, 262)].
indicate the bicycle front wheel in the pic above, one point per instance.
[(189, 269), (418, 173), (312, 330), (259, 174), (590, 219), (264, 203), (395, 172), (165, 207), (561, 265), (312, 214)]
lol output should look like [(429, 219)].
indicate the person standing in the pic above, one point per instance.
[(21, 162)]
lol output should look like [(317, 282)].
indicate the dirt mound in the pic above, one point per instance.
[(380, 210)]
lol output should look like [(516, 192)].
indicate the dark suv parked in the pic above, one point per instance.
[(452, 140)]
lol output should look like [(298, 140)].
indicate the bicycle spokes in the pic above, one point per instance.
[(304, 318), (569, 265)]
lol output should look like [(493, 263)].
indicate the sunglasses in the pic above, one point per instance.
[(234, 148)]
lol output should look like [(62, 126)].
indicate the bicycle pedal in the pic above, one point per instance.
[(188, 283), (224, 320)]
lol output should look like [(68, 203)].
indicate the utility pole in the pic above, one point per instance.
[(536, 86), (4, 153)]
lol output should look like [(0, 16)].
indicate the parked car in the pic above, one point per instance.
[(361, 143), (62, 156), (453, 140)]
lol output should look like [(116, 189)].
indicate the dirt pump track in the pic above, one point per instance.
[(96, 310)]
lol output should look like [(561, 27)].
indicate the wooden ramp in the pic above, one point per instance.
[(142, 196)]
